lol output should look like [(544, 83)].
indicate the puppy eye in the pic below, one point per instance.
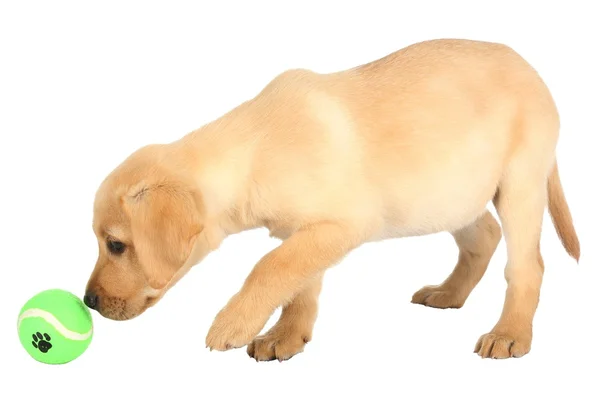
[(116, 247)]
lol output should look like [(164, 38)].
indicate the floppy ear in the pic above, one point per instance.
[(165, 222)]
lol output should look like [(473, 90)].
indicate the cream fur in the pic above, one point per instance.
[(415, 143)]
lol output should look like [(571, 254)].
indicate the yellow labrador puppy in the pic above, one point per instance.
[(414, 143)]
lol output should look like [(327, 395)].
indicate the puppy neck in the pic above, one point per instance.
[(219, 156)]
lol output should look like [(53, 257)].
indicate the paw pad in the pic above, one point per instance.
[(41, 341)]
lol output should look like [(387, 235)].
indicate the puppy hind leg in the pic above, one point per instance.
[(477, 243), (521, 203)]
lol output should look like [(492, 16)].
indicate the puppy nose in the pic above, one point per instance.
[(91, 300)]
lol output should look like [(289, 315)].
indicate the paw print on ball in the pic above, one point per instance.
[(41, 341)]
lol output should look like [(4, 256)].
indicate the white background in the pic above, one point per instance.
[(82, 86)]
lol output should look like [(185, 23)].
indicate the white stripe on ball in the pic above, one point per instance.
[(51, 319)]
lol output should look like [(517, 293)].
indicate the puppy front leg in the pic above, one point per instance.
[(276, 280), (294, 328)]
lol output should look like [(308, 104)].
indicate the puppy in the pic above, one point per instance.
[(415, 143)]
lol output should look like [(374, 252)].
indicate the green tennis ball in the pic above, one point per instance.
[(55, 327)]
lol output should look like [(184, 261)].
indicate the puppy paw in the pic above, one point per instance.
[(502, 345), (280, 343), (438, 297), (233, 327)]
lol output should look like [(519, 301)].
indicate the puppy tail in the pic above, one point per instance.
[(561, 215)]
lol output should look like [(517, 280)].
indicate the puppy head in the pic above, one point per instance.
[(147, 221)]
